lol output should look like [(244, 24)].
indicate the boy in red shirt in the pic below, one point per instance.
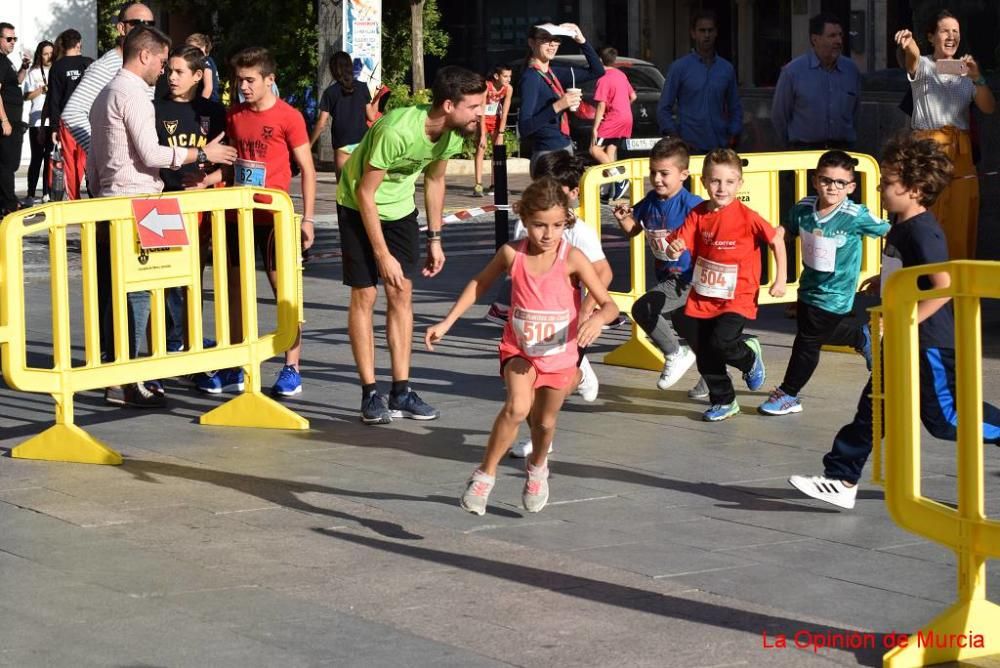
[(267, 133), (493, 123), (724, 236), (613, 120)]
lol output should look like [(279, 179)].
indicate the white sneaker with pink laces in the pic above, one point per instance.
[(477, 492), (536, 488)]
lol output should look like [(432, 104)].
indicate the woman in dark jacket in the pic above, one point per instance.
[(545, 102)]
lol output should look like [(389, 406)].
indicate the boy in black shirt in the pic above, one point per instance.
[(64, 76), (914, 172)]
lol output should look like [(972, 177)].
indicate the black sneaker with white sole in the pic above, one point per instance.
[(410, 405), (374, 409)]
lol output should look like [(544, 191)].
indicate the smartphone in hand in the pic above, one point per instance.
[(951, 66)]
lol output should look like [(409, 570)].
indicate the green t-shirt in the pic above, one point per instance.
[(834, 291), (398, 144)]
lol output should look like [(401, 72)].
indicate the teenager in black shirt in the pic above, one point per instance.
[(347, 102)]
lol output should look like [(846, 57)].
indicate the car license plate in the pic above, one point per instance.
[(641, 144)]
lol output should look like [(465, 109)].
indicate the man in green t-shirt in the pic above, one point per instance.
[(379, 236)]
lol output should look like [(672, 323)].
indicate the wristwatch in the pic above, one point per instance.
[(202, 158)]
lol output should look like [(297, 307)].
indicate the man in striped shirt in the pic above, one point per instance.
[(74, 131), (126, 158)]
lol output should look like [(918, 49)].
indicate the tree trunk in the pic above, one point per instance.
[(417, 40)]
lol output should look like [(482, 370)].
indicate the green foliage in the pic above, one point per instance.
[(397, 48), (107, 16), (509, 138), (401, 97)]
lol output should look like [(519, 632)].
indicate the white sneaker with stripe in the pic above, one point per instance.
[(826, 489)]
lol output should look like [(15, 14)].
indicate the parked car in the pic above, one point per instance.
[(645, 78)]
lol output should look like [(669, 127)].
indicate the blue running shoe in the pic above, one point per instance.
[(780, 403), (217, 382), (866, 349), (719, 412), (756, 376), (374, 410), (410, 405), (289, 382)]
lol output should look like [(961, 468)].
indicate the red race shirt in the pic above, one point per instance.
[(268, 137), (724, 247)]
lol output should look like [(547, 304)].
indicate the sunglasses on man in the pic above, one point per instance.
[(10, 40), (135, 23)]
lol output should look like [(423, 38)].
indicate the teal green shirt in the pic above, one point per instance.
[(834, 291), (398, 144)]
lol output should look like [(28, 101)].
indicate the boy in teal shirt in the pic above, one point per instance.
[(831, 227), (379, 238)]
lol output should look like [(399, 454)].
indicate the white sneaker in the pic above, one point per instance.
[(536, 488), (589, 384), (477, 491), (825, 489), (674, 367), (523, 448)]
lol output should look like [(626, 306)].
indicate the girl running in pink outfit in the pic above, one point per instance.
[(539, 349)]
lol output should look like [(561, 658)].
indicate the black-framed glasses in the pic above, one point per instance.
[(135, 23), (10, 40), (839, 184)]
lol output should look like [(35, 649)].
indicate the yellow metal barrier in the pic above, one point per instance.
[(761, 178), (134, 269), (971, 620)]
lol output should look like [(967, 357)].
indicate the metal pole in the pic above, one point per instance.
[(500, 218)]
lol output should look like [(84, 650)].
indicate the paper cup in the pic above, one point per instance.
[(578, 92)]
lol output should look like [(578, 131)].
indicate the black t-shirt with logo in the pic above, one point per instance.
[(347, 112), (64, 77), (918, 241), (188, 125)]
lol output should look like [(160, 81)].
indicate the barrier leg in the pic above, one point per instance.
[(966, 622), (254, 409), (66, 442), (636, 353)]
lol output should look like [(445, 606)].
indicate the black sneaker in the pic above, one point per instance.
[(410, 405), (374, 410)]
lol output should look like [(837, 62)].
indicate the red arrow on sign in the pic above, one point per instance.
[(159, 223)]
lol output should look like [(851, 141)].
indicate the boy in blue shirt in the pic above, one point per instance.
[(658, 214), (831, 227), (914, 172)]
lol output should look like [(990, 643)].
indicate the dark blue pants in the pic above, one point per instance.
[(938, 414)]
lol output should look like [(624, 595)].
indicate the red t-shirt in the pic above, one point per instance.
[(614, 89), (724, 242), (268, 137)]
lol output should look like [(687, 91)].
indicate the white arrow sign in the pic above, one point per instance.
[(158, 223)]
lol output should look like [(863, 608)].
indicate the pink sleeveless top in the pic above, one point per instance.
[(543, 314)]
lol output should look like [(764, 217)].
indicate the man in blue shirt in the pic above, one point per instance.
[(702, 85), (818, 96)]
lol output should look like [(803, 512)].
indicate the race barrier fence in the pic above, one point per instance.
[(969, 628), (154, 245), (762, 177)]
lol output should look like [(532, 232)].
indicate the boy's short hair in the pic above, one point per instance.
[(671, 148), (498, 69), (723, 156), (919, 164), (609, 55), (256, 57), (454, 82), (69, 39), (562, 166), (704, 15), (143, 38), (837, 158)]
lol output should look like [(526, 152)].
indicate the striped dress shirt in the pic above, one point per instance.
[(125, 153), (76, 114)]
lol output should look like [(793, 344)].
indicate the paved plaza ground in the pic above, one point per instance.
[(668, 541)]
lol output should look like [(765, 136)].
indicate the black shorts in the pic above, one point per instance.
[(401, 236), (605, 142), (263, 240)]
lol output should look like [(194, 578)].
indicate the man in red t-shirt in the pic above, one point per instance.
[(613, 121), (267, 133), (724, 237)]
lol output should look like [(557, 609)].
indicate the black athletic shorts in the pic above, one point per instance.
[(401, 236), (605, 142), (263, 239)]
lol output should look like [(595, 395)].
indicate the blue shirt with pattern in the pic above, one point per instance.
[(654, 213)]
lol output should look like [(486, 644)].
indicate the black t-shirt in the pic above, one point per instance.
[(920, 240), (347, 113), (10, 89), (64, 77), (188, 125)]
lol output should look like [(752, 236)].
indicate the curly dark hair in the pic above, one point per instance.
[(920, 165), (544, 194)]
